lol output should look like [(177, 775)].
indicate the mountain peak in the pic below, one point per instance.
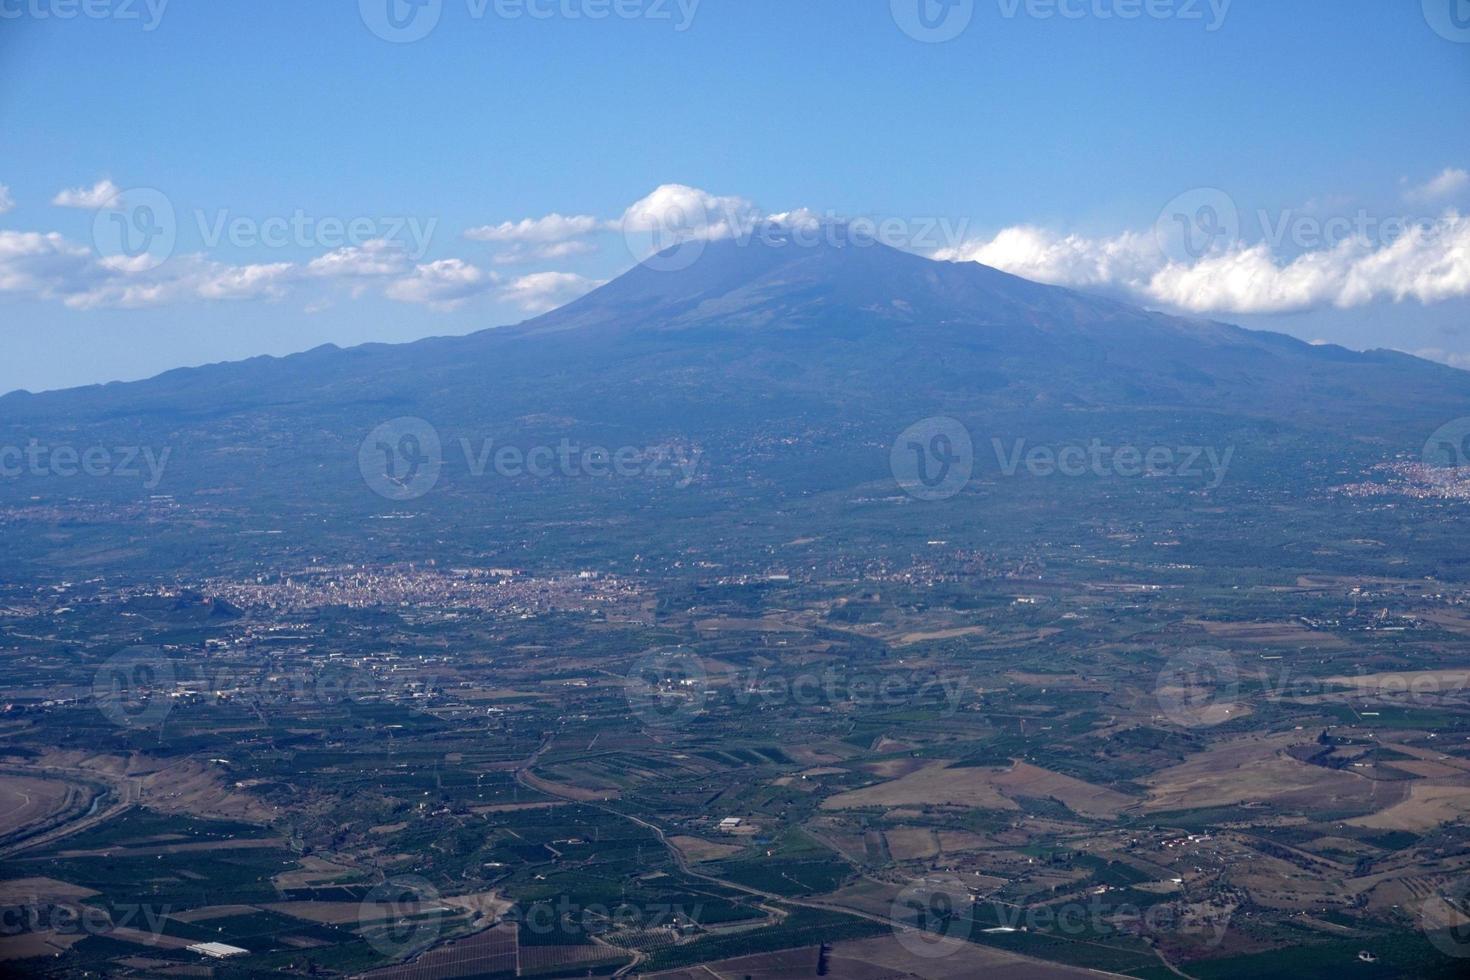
[(829, 322), (790, 276)]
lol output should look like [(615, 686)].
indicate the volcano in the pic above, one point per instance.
[(770, 318), (787, 368)]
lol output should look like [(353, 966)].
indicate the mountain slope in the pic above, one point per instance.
[(754, 319), (780, 376)]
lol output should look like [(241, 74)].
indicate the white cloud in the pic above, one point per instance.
[(49, 267), (1448, 184), (803, 219), (551, 252), (265, 281), (672, 213), (442, 285), (125, 296), (46, 266), (1426, 264), (550, 229), (542, 291), (99, 195), (6, 201), (682, 212), (551, 238), (1452, 358), (1430, 265), (187, 278), (372, 259), (1071, 260), (1249, 280)]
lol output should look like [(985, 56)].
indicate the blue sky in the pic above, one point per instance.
[(1051, 140)]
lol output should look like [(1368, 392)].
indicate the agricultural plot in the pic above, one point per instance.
[(26, 801), (981, 787), (879, 959)]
